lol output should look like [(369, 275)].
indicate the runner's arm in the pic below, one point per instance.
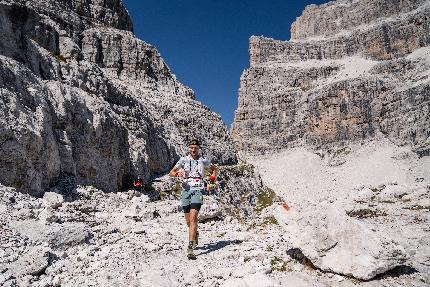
[(213, 170), (177, 170)]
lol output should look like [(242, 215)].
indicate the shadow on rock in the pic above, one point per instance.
[(298, 255), (397, 272), (217, 245)]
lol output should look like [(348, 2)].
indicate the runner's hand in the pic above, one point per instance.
[(180, 173)]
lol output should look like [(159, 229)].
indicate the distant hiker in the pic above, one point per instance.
[(138, 184), (192, 169)]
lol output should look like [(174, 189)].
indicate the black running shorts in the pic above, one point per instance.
[(195, 206)]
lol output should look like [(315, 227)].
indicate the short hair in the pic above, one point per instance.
[(194, 142)]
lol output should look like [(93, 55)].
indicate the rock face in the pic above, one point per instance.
[(82, 98), (337, 79), (331, 18)]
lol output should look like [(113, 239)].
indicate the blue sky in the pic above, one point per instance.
[(205, 42)]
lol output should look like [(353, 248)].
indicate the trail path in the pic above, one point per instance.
[(113, 240)]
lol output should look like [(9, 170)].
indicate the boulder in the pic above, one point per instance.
[(337, 243), (139, 209), (67, 235), (52, 199), (34, 262), (48, 216), (210, 209)]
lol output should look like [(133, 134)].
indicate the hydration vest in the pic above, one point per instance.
[(196, 171)]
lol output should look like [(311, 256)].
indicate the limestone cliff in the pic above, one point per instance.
[(351, 71), (82, 98)]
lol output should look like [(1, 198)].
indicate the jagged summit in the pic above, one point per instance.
[(334, 17), (75, 16)]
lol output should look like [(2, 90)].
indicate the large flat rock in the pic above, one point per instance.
[(337, 243), (33, 262)]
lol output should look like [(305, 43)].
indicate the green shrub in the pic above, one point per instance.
[(58, 57), (176, 189), (365, 213), (278, 264), (264, 199)]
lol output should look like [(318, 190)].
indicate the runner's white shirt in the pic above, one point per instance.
[(193, 167)]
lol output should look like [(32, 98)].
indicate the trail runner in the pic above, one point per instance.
[(192, 169)]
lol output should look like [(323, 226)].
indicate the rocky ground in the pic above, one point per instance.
[(357, 210), (92, 238), (122, 239)]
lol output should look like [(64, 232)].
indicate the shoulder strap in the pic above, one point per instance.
[(198, 161)]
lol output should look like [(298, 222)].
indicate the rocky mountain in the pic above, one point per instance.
[(336, 121), (338, 130), (83, 99), (352, 70)]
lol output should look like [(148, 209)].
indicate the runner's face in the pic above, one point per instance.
[(193, 149)]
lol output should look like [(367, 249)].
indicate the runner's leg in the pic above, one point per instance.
[(196, 204), (187, 218), (193, 224), (186, 201)]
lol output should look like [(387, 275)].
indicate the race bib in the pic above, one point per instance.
[(195, 182)]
